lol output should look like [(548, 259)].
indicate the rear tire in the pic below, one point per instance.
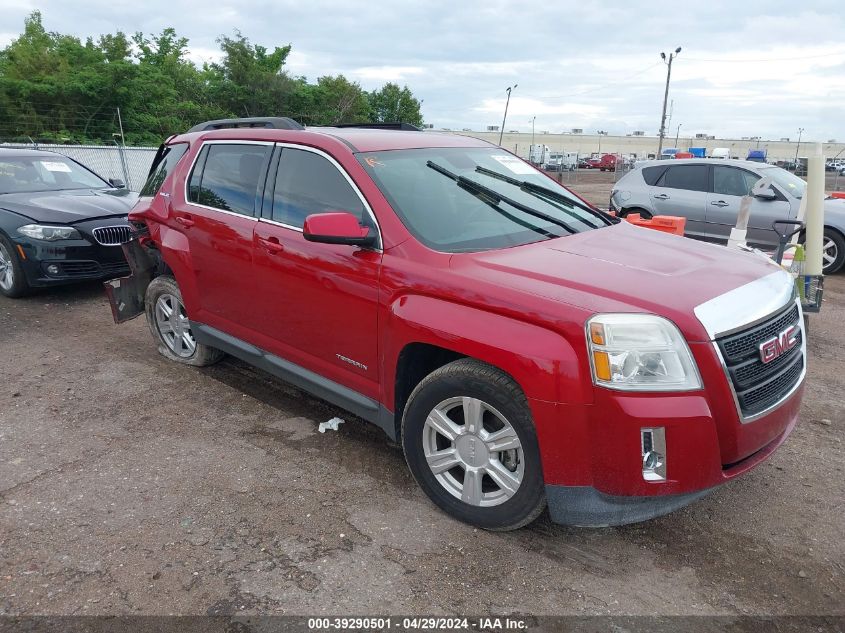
[(471, 445), (13, 283), (833, 251), (171, 328)]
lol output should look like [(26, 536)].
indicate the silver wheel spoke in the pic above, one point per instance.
[(503, 477), (441, 461), (505, 439), (473, 413), (443, 425), (472, 486)]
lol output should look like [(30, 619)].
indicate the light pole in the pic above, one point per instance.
[(534, 118), (677, 133), (600, 134), (666, 96), (505, 118), (800, 132)]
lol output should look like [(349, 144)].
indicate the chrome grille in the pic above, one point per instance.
[(113, 235), (759, 386)]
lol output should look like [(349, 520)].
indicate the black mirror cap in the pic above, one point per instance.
[(367, 241), (117, 183)]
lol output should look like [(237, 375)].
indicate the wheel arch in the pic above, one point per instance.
[(425, 333)]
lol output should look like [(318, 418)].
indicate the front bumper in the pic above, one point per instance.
[(66, 261)]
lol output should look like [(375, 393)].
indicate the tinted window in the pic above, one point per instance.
[(307, 183), (652, 174), (689, 177), (730, 181), (167, 158), (226, 177)]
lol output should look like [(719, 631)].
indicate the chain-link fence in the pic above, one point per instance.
[(129, 164)]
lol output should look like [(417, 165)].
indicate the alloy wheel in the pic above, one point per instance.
[(473, 451), (7, 271), (174, 327), (829, 252)]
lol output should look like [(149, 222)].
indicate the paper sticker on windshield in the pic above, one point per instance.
[(514, 164), (55, 166)]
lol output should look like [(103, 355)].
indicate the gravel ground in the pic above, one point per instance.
[(132, 485)]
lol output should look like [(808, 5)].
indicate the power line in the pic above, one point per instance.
[(602, 87), (768, 59)]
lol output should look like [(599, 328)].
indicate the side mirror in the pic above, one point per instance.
[(117, 183), (762, 189), (337, 227)]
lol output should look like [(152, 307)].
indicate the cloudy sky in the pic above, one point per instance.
[(747, 68)]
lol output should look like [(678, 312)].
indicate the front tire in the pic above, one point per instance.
[(170, 326), (13, 283), (471, 445)]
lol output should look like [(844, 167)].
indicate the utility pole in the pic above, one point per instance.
[(677, 134), (666, 96), (800, 132), (533, 119), (505, 118)]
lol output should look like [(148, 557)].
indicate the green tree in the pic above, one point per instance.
[(392, 104)]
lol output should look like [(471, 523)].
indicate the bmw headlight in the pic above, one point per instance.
[(640, 352), (49, 233)]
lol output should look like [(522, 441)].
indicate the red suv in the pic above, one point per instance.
[(524, 348)]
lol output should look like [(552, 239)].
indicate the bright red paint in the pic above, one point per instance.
[(521, 309)]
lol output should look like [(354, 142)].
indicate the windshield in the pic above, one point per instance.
[(473, 199), (790, 183), (23, 174)]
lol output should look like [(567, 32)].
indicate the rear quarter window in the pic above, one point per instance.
[(652, 174), (167, 158)]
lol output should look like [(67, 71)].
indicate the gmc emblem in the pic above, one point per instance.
[(780, 344)]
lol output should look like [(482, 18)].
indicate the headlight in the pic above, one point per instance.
[(640, 352), (49, 233)]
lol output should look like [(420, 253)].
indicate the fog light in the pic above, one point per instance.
[(653, 451), (53, 269)]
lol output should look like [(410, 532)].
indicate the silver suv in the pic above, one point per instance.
[(708, 193)]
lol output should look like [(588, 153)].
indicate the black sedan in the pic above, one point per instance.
[(59, 222)]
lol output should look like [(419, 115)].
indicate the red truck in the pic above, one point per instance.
[(524, 348)]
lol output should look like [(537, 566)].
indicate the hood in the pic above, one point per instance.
[(622, 268), (67, 207)]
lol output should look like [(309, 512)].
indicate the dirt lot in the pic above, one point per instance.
[(129, 484)]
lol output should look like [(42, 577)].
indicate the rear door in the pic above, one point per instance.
[(730, 186), (218, 219), (681, 190)]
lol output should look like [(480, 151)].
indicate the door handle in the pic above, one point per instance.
[(720, 203), (271, 244), (185, 220), (662, 196)]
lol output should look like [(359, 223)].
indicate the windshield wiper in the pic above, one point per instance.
[(474, 187), (540, 190)]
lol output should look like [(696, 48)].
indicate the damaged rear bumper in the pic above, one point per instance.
[(126, 294)]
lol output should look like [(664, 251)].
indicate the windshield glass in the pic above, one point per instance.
[(472, 199), (790, 183), (22, 174)]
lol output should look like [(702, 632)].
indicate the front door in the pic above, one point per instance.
[(730, 186), (681, 191), (317, 303)]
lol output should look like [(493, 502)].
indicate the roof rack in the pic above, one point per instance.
[(407, 127), (272, 122)]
